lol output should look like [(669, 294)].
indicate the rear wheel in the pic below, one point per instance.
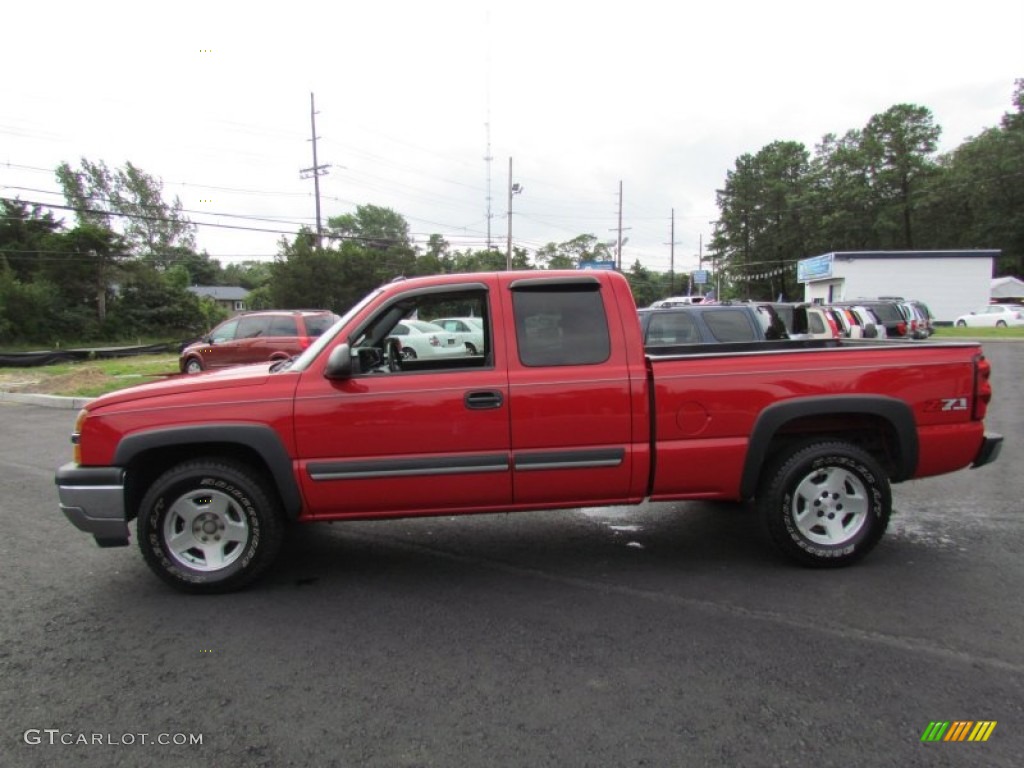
[(825, 504), (209, 526), (961, 323), (1000, 323)]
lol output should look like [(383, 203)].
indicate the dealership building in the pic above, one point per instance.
[(951, 283)]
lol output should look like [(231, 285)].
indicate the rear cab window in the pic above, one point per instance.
[(560, 324)]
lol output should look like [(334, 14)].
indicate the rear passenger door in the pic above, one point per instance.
[(569, 394), (250, 341)]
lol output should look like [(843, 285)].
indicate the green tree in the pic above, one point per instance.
[(569, 254), (25, 233), (762, 226), (976, 198), (129, 201), (647, 286), (900, 145), (840, 198), (248, 274), (372, 227)]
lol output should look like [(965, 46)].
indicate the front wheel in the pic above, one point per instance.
[(825, 504), (1000, 323), (961, 323), (192, 365), (209, 526)]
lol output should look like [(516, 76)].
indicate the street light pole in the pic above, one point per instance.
[(513, 189)]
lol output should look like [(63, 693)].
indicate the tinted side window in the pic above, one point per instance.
[(225, 332), (729, 325), (672, 328), (251, 327), (561, 325), (317, 324), (815, 323), (283, 326)]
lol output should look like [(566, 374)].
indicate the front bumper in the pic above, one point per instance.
[(92, 498), (991, 444)]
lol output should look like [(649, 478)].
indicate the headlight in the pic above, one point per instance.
[(76, 436)]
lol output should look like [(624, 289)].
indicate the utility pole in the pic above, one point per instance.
[(618, 245), (316, 171), (672, 256), (513, 189), (619, 242), (487, 159)]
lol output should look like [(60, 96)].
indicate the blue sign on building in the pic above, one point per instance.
[(814, 268), (597, 265)]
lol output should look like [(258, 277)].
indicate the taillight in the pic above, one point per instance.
[(982, 386), (304, 341), (901, 329)]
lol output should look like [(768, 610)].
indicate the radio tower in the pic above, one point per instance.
[(487, 159)]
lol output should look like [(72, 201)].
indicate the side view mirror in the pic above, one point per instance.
[(339, 363)]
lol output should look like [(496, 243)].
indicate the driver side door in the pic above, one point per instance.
[(432, 437)]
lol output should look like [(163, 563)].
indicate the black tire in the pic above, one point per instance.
[(961, 323), (825, 504), (209, 526), (408, 353), (1000, 323), (193, 365), (470, 348)]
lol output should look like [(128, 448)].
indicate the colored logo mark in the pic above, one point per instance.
[(959, 730)]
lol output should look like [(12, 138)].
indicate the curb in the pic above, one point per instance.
[(47, 401)]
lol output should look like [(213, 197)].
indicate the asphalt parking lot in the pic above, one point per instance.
[(664, 635)]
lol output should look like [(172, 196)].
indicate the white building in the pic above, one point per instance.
[(951, 283)]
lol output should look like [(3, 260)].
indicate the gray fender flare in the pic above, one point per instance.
[(896, 412), (259, 438)]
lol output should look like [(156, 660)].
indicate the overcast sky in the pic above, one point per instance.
[(214, 99)]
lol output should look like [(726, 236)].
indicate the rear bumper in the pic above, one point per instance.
[(991, 444), (92, 498)]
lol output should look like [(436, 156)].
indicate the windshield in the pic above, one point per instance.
[(303, 361)]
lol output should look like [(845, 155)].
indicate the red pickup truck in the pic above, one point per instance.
[(558, 406)]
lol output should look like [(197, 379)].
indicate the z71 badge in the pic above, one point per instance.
[(946, 404)]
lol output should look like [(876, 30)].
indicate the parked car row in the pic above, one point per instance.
[(878, 318)]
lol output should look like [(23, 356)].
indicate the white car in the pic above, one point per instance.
[(993, 316), (418, 338), (469, 329)]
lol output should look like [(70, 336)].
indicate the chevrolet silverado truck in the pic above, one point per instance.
[(561, 407)]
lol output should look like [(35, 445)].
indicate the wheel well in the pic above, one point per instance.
[(871, 433), (148, 465)]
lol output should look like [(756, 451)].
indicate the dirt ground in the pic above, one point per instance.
[(37, 382)]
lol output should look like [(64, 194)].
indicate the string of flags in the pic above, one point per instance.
[(764, 274)]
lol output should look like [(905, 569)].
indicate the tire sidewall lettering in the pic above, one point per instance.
[(820, 463), (156, 516)]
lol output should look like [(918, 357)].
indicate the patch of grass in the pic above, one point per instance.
[(950, 332)]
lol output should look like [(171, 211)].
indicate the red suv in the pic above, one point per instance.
[(255, 337)]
